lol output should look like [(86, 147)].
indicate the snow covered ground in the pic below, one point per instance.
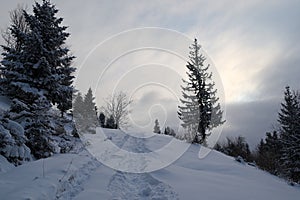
[(81, 176)]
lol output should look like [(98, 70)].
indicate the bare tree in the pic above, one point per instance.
[(17, 19), (117, 106)]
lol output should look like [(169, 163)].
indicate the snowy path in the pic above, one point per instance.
[(139, 186), (121, 185)]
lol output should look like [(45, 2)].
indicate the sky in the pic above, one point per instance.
[(253, 48)]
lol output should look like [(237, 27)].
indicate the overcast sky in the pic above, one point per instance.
[(254, 46)]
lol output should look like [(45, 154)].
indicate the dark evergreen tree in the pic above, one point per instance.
[(289, 120), (102, 120), (110, 123), (156, 128), (52, 49), (268, 153), (36, 74), (200, 111), (13, 142), (237, 147), (169, 131)]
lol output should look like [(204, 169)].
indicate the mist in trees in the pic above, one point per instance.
[(85, 112)]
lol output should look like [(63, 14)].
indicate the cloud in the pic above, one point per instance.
[(251, 119)]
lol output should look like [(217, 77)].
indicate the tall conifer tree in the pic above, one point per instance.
[(200, 110)]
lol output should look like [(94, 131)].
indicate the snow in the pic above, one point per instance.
[(5, 165), (79, 176)]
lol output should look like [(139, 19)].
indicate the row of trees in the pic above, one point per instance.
[(235, 147), (167, 131), (279, 152), (36, 74), (86, 115)]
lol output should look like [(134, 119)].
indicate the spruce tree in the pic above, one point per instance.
[(268, 153), (156, 128), (200, 111), (37, 75), (84, 111), (102, 119), (110, 123), (289, 120), (78, 110), (89, 112), (51, 42)]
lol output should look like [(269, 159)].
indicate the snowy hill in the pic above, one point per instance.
[(80, 176)]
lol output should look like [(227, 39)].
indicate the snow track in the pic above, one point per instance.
[(72, 184), (131, 186), (135, 186), (122, 185)]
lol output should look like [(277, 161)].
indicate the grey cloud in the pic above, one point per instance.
[(251, 119)]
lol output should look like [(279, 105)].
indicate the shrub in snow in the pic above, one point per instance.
[(240, 160), (13, 141)]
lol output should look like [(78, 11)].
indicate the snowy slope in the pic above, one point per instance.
[(80, 176)]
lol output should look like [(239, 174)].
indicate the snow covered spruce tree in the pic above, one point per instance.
[(289, 120), (42, 55), (200, 111), (13, 142), (156, 128), (53, 54), (37, 75)]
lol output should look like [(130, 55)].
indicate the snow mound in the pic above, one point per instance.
[(5, 165), (79, 176)]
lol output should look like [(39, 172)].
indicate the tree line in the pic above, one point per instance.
[(113, 114), (36, 75), (279, 152)]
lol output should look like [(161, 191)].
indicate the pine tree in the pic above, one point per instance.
[(237, 147), (102, 119), (200, 111), (89, 112), (268, 153), (110, 123), (13, 142), (78, 110), (36, 74), (41, 61), (289, 120), (51, 42), (156, 128), (169, 131)]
